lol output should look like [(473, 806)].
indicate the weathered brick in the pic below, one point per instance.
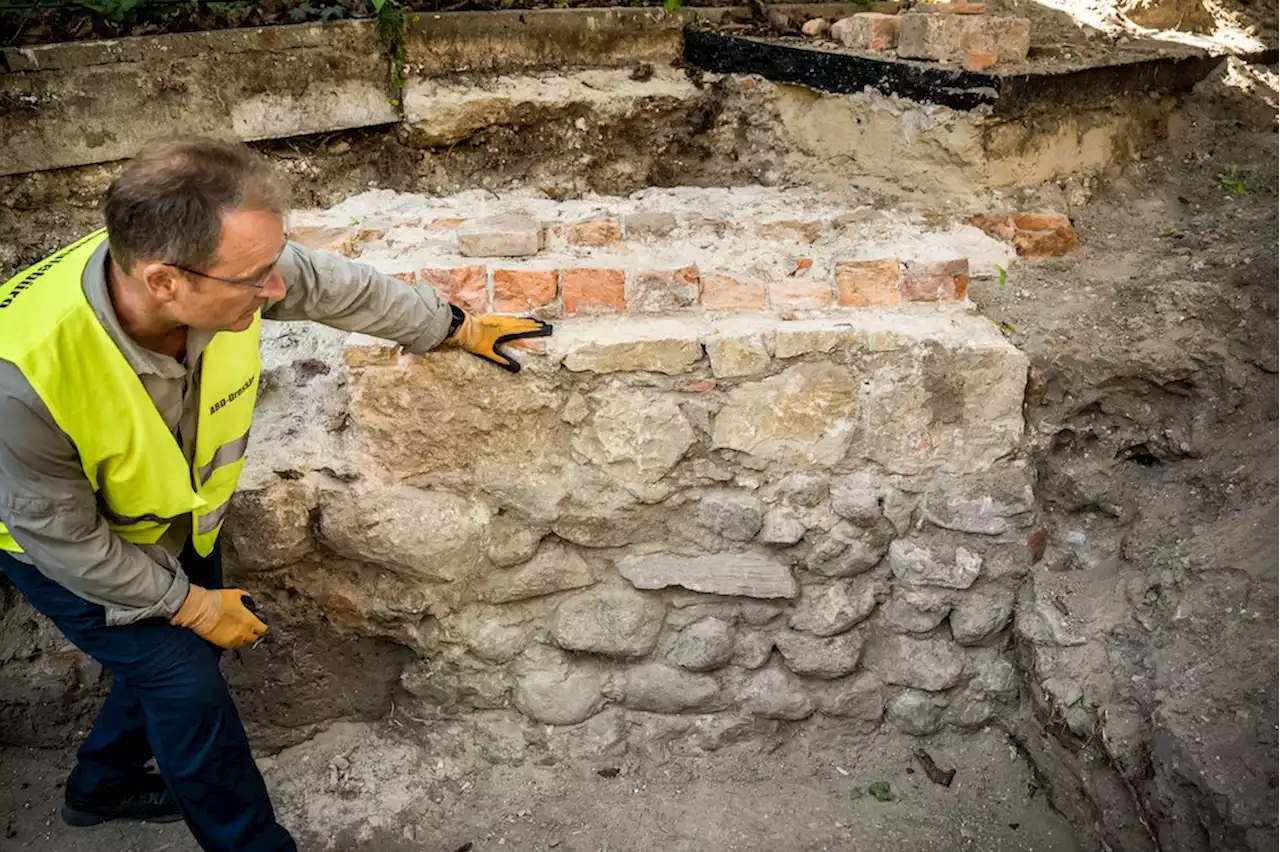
[(593, 232), (344, 241), (1042, 244), (448, 223), (587, 290), (953, 8), (791, 230), (519, 290), (935, 280), (799, 294), (950, 38), (464, 286), (816, 27), (654, 291), (649, 224), (1040, 221), (1000, 227), (724, 293), (868, 283), (868, 31), (407, 277), (803, 265), (508, 235), (698, 387)]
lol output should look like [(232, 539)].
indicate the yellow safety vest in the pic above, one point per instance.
[(50, 332)]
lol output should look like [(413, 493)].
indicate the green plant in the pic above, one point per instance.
[(118, 11), (673, 5), (1003, 276), (1233, 182), (881, 791), (391, 24)]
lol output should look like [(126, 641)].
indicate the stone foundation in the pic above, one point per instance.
[(719, 514)]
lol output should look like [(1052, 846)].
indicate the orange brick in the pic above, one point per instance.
[(464, 286), (799, 294), (594, 232), (519, 290), (723, 293), (699, 387), (1042, 244), (803, 265), (1040, 221), (338, 240), (585, 290), (1000, 227), (654, 291), (749, 83), (407, 277), (979, 60), (935, 280), (447, 222), (868, 283)]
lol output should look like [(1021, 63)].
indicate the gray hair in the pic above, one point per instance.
[(168, 202)]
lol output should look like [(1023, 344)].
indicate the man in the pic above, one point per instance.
[(128, 374)]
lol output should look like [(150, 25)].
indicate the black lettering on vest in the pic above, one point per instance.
[(231, 397), (38, 272)]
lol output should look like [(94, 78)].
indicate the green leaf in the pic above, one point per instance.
[(1004, 275), (881, 791), (855, 794), (673, 5)]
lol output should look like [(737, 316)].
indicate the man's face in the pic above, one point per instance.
[(251, 243)]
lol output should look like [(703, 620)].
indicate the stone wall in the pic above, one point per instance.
[(762, 511)]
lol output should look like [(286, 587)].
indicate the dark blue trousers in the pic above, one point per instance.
[(168, 700)]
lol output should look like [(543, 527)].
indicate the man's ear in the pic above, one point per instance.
[(161, 280)]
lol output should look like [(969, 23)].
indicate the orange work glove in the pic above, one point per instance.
[(220, 616), (481, 336)]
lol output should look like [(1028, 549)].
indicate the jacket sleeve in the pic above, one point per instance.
[(51, 511), (341, 293)]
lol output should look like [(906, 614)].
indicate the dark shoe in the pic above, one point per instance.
[(146, 800)]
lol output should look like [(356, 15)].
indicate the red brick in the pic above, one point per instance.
[(868, 283), (803, 265), (979, 60), (951, 38), (594, 232), (699, 387), (868, 31), (1042, 244), (345, 241), (1040, 221), (935, 280), (723, 293), (1000, 227), (584, 290), (517, 291), (464, 286), (655, 291), (800, 293), (407, 277)]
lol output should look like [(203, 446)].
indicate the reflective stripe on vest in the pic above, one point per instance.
[(143, 481)]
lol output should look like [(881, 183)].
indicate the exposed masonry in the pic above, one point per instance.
[(669, 251)]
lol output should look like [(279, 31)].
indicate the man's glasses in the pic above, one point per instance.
[(257, 283)]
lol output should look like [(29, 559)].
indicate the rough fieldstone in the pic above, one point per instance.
[(947, 38), (847, 551), (916, 610), (511, 542), (759, 612), (973, 712), (917, 566), (860, 696), (554, 568), (993, 674), (457, 683), (802, 417), (857, 499), (967, 506), (833, 609), (979, 615), (737, 356), (270, 527), (661, 355), (915, 713), (752, 648), (386, 527), (497, 634), (782, 525), (750, 575), (614, 621), (822, 658), (554, 690), (662, 689), (803, 489), (776, 694), (634, 437), (704, 645), (931, 664), (733, 514), (1063, 690)]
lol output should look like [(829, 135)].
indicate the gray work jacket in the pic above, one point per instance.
[(49, 506)]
